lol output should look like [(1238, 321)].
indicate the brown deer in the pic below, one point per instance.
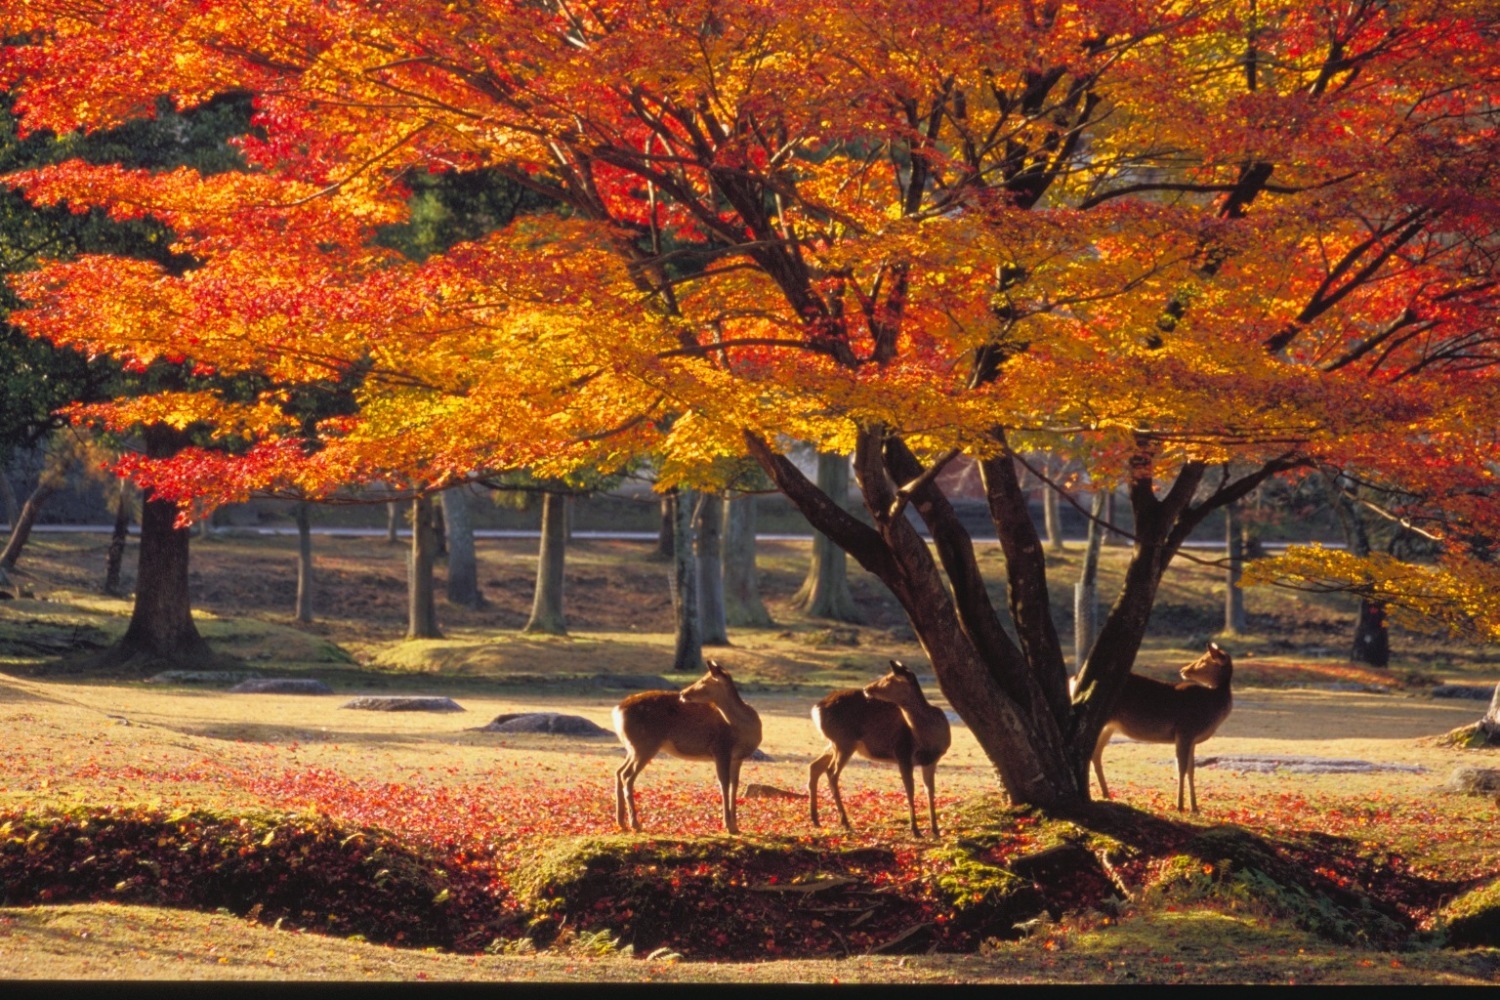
[(887, 720), (1185, 714), (707, 720)]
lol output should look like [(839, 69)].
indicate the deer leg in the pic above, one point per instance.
[(929, 773), (734, 791), (911, 798), (634, 764), (816, 770), (722, 766), (1098, 760), (840, 758), (1185, 771)]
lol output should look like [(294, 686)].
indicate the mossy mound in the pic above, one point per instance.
[(728, 898), (293, 870), (1473, 919)]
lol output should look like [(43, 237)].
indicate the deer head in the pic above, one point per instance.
[(1209, 670)]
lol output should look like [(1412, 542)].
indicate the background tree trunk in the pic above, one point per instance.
[(304, 609), (115, 557), (463, 562), (161, 623), (547, 615), (687, 656), (421, 622), (742, 602), (8, 505), (440, 529), (21, 533), (393, 522), (708, 525), (666, 529), (1052, 517), (825, 591), (1234, 597), (1372, 637), (1086, 590)]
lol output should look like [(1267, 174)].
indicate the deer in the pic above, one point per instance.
[(707, 720), (1185, 714), (886, 720)]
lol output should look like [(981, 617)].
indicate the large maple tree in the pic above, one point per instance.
[(1195, 244)]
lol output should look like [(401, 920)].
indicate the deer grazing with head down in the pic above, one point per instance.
[(887, 720), (707, 720), (1184, 714)]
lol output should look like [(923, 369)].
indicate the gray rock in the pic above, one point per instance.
[(403, 703), (552, 723), (1293, 764), (281, 685), (755, 790), (1474, 780), (1473, 691)]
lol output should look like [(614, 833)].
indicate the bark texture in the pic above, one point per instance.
[(687, 653), (114, 558), (463, 561), (421, 620), (708, 523), (304, 609), (1234, 595), (547, 614), (825, 591), (21, 533), (743, 605)]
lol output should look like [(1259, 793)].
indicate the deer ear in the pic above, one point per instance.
[(714, 668), (897, 667)]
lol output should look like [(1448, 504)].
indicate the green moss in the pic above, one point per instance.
[(1473, 919)]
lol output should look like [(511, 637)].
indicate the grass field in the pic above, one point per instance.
[(123, 802)]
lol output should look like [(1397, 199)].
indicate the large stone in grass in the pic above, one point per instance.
[(208, 678), (1298, 764), (1472, 691), (550, 723), (1474, 780), (403, 703), (281, 685)]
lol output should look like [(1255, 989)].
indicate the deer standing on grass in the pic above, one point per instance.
[(887, 720), (1185, 714), (707, 720)]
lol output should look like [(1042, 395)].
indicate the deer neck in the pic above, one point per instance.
[(736, 711), (921, 718)]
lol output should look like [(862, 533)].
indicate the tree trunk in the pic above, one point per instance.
[(1111, 535), (440, 529), (666, 529), (1052, 517), (825, 591), (742, 602), (1086, 590), (161, 624), (1234, 597), (708, 526), (393, 522), (115, 558), (687, 656), (21, 533), (1011, 689), (463, 562), (1372, 637), (304, 609), (547, 615), (8, 505), (421, 621), (1490, 723)]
